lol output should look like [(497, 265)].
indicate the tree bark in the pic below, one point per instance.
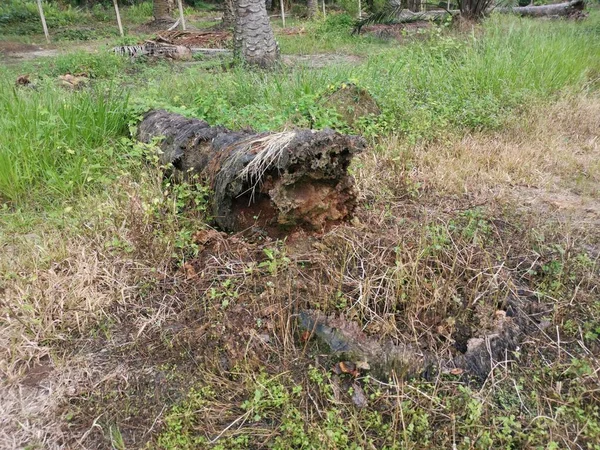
[(228, 14), (276, 181), (161, 10), (312, 8), (254, 42), (558, 9), (485, 348)]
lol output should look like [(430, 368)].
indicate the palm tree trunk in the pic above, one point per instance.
[(254, 41), (312, 8), (228, 20), (161, 10), (276, 181)]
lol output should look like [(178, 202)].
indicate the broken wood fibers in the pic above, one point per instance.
[(274, 180)]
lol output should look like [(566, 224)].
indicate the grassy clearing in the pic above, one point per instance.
[(426, 89), (129, 323)]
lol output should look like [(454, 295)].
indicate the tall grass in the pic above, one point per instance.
[(449, 82), (56, 143), (59, 141)]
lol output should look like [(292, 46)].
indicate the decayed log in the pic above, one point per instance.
[(556, 10), (273, 180), (384, 357)]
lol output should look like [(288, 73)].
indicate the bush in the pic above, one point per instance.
[(22, 16), (336, 23), (16, 12)]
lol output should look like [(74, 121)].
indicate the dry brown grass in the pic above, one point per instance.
[(555, 147)]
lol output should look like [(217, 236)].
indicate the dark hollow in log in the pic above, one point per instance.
[(273, 180)]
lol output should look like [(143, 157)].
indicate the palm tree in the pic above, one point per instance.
[(228, 20), (312, 8), (254, 42), (161, 10)]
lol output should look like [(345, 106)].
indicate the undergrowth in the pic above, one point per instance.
[(163, 333), (425, 89)]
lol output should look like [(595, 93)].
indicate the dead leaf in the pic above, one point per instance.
[(358, 396), (23, 80)]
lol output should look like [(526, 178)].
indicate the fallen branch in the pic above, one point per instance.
[(273, 180), (556, 10)]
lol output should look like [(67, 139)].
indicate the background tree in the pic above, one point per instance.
[(254, 41), (474, 9), (228, 20), (161, 10), (313, 6)]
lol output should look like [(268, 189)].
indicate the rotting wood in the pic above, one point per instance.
[(565, 9), (384, 357), (277, 181), (558, 9)]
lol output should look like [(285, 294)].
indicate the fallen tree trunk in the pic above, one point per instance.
[(556, 10), (273, 180), (384, 357)]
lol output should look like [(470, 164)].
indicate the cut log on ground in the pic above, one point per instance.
[(565, 9), (276, 181), (556, 10)]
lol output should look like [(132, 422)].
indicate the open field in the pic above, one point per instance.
[(127, 321)]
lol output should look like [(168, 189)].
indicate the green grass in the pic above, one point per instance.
[(56, 142), (450, 82), (85, 217)]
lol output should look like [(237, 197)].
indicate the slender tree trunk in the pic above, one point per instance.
[(41, 10), (161, 10), (312, 8), (228, 14), (254, 41)]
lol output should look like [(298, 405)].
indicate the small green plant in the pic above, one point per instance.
[(276, 260)]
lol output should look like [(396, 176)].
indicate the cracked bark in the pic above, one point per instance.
[(254, 41), (273, 181)]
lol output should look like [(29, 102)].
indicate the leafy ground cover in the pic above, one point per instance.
[(129, 322)]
